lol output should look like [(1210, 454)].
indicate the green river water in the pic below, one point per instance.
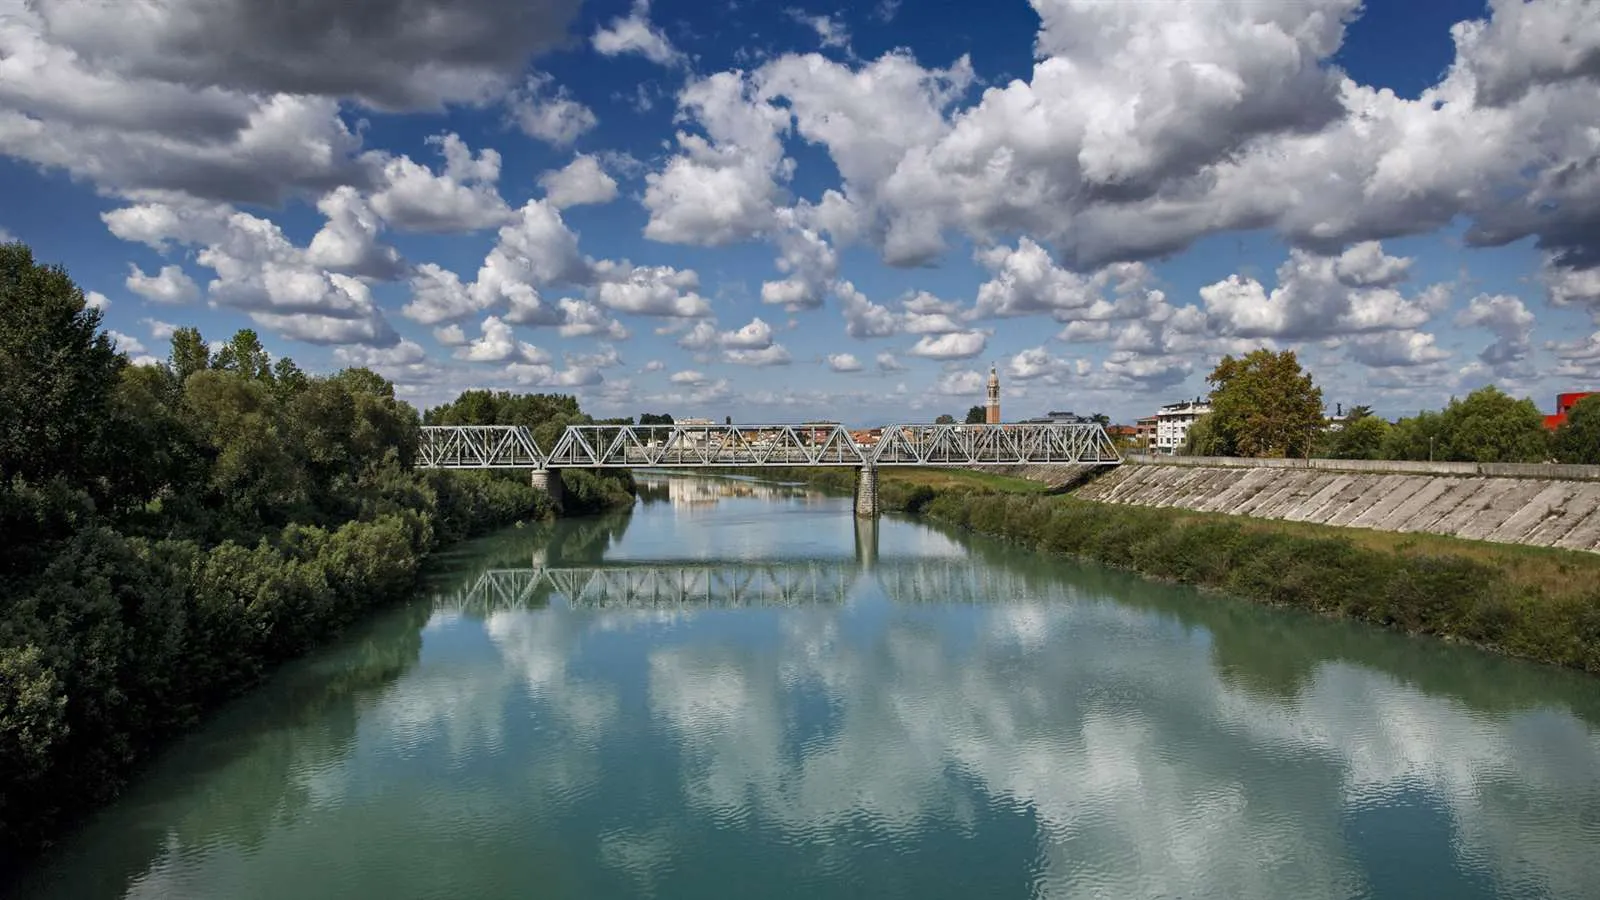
[(736, 691)]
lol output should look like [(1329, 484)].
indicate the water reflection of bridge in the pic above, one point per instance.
[(732, 584)]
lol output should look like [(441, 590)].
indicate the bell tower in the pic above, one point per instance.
[(992, 413)]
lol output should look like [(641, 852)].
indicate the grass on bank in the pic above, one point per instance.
[(1537, 603), (892, 478), (959, 479)]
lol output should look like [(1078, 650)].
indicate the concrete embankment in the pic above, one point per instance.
[(1547, 506)]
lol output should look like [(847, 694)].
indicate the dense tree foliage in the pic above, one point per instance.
[(1360, 436), (945, 419), (1264, 404), (58, 374), (545, 415), (976, 416), (1578, 439), (1486, 426), (172, 531), (1202, 438)]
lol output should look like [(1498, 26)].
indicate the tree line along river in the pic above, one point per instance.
[(734, 691)]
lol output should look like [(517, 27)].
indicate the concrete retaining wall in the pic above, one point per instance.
[(1482, 502), (1557, 471)]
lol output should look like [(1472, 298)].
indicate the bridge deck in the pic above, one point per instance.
[(703, 446)]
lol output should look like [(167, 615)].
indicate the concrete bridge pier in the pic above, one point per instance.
[(867, 543), (549, 483), (867, 492)]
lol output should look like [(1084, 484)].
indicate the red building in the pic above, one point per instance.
[(1564, 405)]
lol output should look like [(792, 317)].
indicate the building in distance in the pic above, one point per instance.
[(1124, 436), (1173, 422), (1564, 404), (992, 408), (1145, 433)]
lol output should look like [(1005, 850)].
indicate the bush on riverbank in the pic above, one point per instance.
[(1540, 605), (173, 531), (1530, 602), (118, 641)]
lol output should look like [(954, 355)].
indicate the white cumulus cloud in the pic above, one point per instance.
[(169, 285), (843, 362)]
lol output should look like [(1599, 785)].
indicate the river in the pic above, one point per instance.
[(735, 691)]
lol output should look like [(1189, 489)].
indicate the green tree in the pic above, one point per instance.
[(977, 415), (190, 354), (1578, 439), (1202, 439), (254, 479), (1418, 437), (245, 355), (1100, 419), (57, 375), (1489, 425), (287, 379), (1362, 435), (945, 419), (655, 418), (1264, 405)]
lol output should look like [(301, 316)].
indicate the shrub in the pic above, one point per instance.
[(1397, 586)]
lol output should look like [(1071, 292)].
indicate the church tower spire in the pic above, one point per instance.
[(992, 413)]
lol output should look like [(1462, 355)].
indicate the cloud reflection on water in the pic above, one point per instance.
[(1125, 744)]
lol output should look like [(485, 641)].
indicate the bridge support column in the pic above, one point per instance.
[(549, 483), (867, 492), (867, 543)]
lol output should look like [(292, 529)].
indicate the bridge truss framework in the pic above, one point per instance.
[(759, 446), (706, 446)]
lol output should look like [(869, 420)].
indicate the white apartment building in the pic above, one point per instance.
[(1172, 424)]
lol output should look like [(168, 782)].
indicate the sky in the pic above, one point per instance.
[(825, 210)]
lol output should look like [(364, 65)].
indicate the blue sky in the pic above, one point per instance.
[(785, 212)]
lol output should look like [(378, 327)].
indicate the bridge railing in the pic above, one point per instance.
[(633, 446), (970, 445), (700, 446)]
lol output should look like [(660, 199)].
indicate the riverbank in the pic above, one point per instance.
[(1538, 505), (1532, 603), (127, 641)]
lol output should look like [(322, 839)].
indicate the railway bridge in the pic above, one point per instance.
[(761, 446)]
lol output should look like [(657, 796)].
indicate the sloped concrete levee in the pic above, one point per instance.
[(1540, 505)]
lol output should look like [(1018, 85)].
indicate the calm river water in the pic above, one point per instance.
[(735, 692)]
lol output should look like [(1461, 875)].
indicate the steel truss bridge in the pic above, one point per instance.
[(703, 446), (740, 584)]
